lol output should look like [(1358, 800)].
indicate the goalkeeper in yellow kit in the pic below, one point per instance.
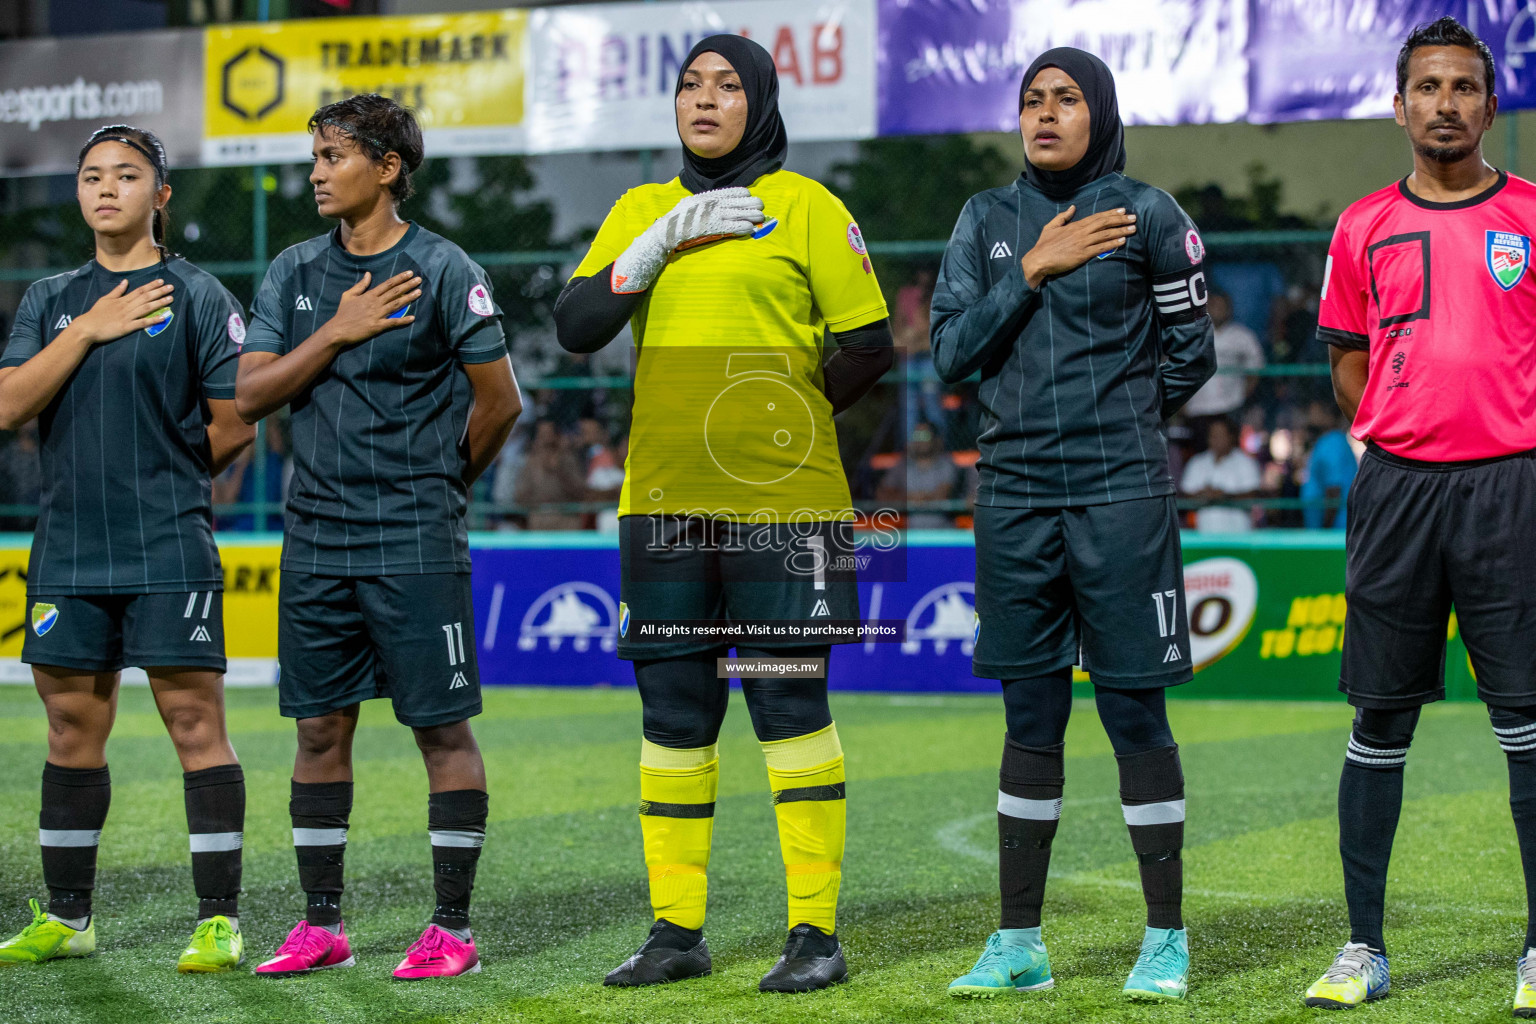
[(735, 507)]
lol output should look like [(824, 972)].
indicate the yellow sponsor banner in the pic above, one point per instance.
[(461, 73), (250, 599)]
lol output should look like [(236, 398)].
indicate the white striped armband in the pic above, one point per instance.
[(1375, 757), (216, 842), (57, 837), (1518, 739), (319, 837), (1164, 812), (470, 840), (1031, 810), (1180, 296)]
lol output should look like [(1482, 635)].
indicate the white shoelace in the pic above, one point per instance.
[(1528, 969), (1352, 961)]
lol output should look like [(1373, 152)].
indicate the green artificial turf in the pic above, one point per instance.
[(561, 897)]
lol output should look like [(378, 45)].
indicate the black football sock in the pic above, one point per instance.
[(1516, 730), (216, 826), (1152, 802), (1370, 801), (456, 822), (1028, 811), (74, 808), (320, 811)]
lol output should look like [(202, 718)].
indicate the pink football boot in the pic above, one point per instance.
[(308, 948), (438, 954)]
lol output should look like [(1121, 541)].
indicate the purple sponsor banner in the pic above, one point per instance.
[(955, 65), (1509, 28), (552, 616), (1317, 59)]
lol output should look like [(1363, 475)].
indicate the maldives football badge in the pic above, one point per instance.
[(43, 617), (1508, 256)]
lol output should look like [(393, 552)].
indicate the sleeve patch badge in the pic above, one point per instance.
[(480, 301), (1193, 247), (236, 329), (856, 240)]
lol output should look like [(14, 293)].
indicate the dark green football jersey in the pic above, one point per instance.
[(127, 502), (378, 468)]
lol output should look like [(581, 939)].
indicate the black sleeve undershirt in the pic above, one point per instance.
[(588, 315), (862, 357)]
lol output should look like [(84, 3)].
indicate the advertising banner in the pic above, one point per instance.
[(461, 73), (55, 92), (601, 76), (955, 65), (1266, 615)]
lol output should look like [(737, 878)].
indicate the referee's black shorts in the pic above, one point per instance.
[(1423, 537), (693, 569)]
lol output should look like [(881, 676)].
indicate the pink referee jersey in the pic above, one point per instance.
[(1441, 296)]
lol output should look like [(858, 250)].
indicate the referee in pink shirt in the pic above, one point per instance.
[(1430, 312)]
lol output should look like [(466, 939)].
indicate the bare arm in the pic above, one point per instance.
[(27, 389), (267, 381), (1351, 368), (496, 408), (228, 434)]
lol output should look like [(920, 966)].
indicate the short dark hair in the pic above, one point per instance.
[(1445, 32), (379, 126)]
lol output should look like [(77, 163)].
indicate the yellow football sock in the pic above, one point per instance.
[(677, 819), (806, 776)]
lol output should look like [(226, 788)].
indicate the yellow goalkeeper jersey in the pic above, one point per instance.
[(729, 417)]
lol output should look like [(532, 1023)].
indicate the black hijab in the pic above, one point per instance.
[(1106, 134), (763, 143)]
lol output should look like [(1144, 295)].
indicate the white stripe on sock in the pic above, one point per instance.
[(216, 842), (1377, 751), (1033, 810), (69, 837), (1515, 730), (319, 837), (454, 838), (1165, 813)]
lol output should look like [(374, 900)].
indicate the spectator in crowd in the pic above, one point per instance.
[(1222, 473), (1237, 348), (508, 468), (604, 463), (927, 474), (1330, 469), (238, 482), (21, 480), (550, 476), (923, 393)]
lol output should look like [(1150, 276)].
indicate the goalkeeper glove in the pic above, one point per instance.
[(706, 217)]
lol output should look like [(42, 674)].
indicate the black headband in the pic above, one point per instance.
[(154, 161)]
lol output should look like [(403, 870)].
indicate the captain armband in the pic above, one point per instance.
[(1180, 297)]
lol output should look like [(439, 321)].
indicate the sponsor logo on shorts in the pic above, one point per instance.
[(820, 609), (201, 634), (458, 681), (480, 302), (43, 617), (1508, 255)]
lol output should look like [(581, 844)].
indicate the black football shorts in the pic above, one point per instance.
[(108, 632), (1423, 537)]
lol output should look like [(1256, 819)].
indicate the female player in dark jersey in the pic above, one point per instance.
[(383, 339), (735, 502), (129, 363), (1079, 295)]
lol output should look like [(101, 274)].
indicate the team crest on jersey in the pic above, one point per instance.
[(43, 617), (856, 240), (480, 301), (1508, 256), (397, 314), (154, 329), (766, 228)]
